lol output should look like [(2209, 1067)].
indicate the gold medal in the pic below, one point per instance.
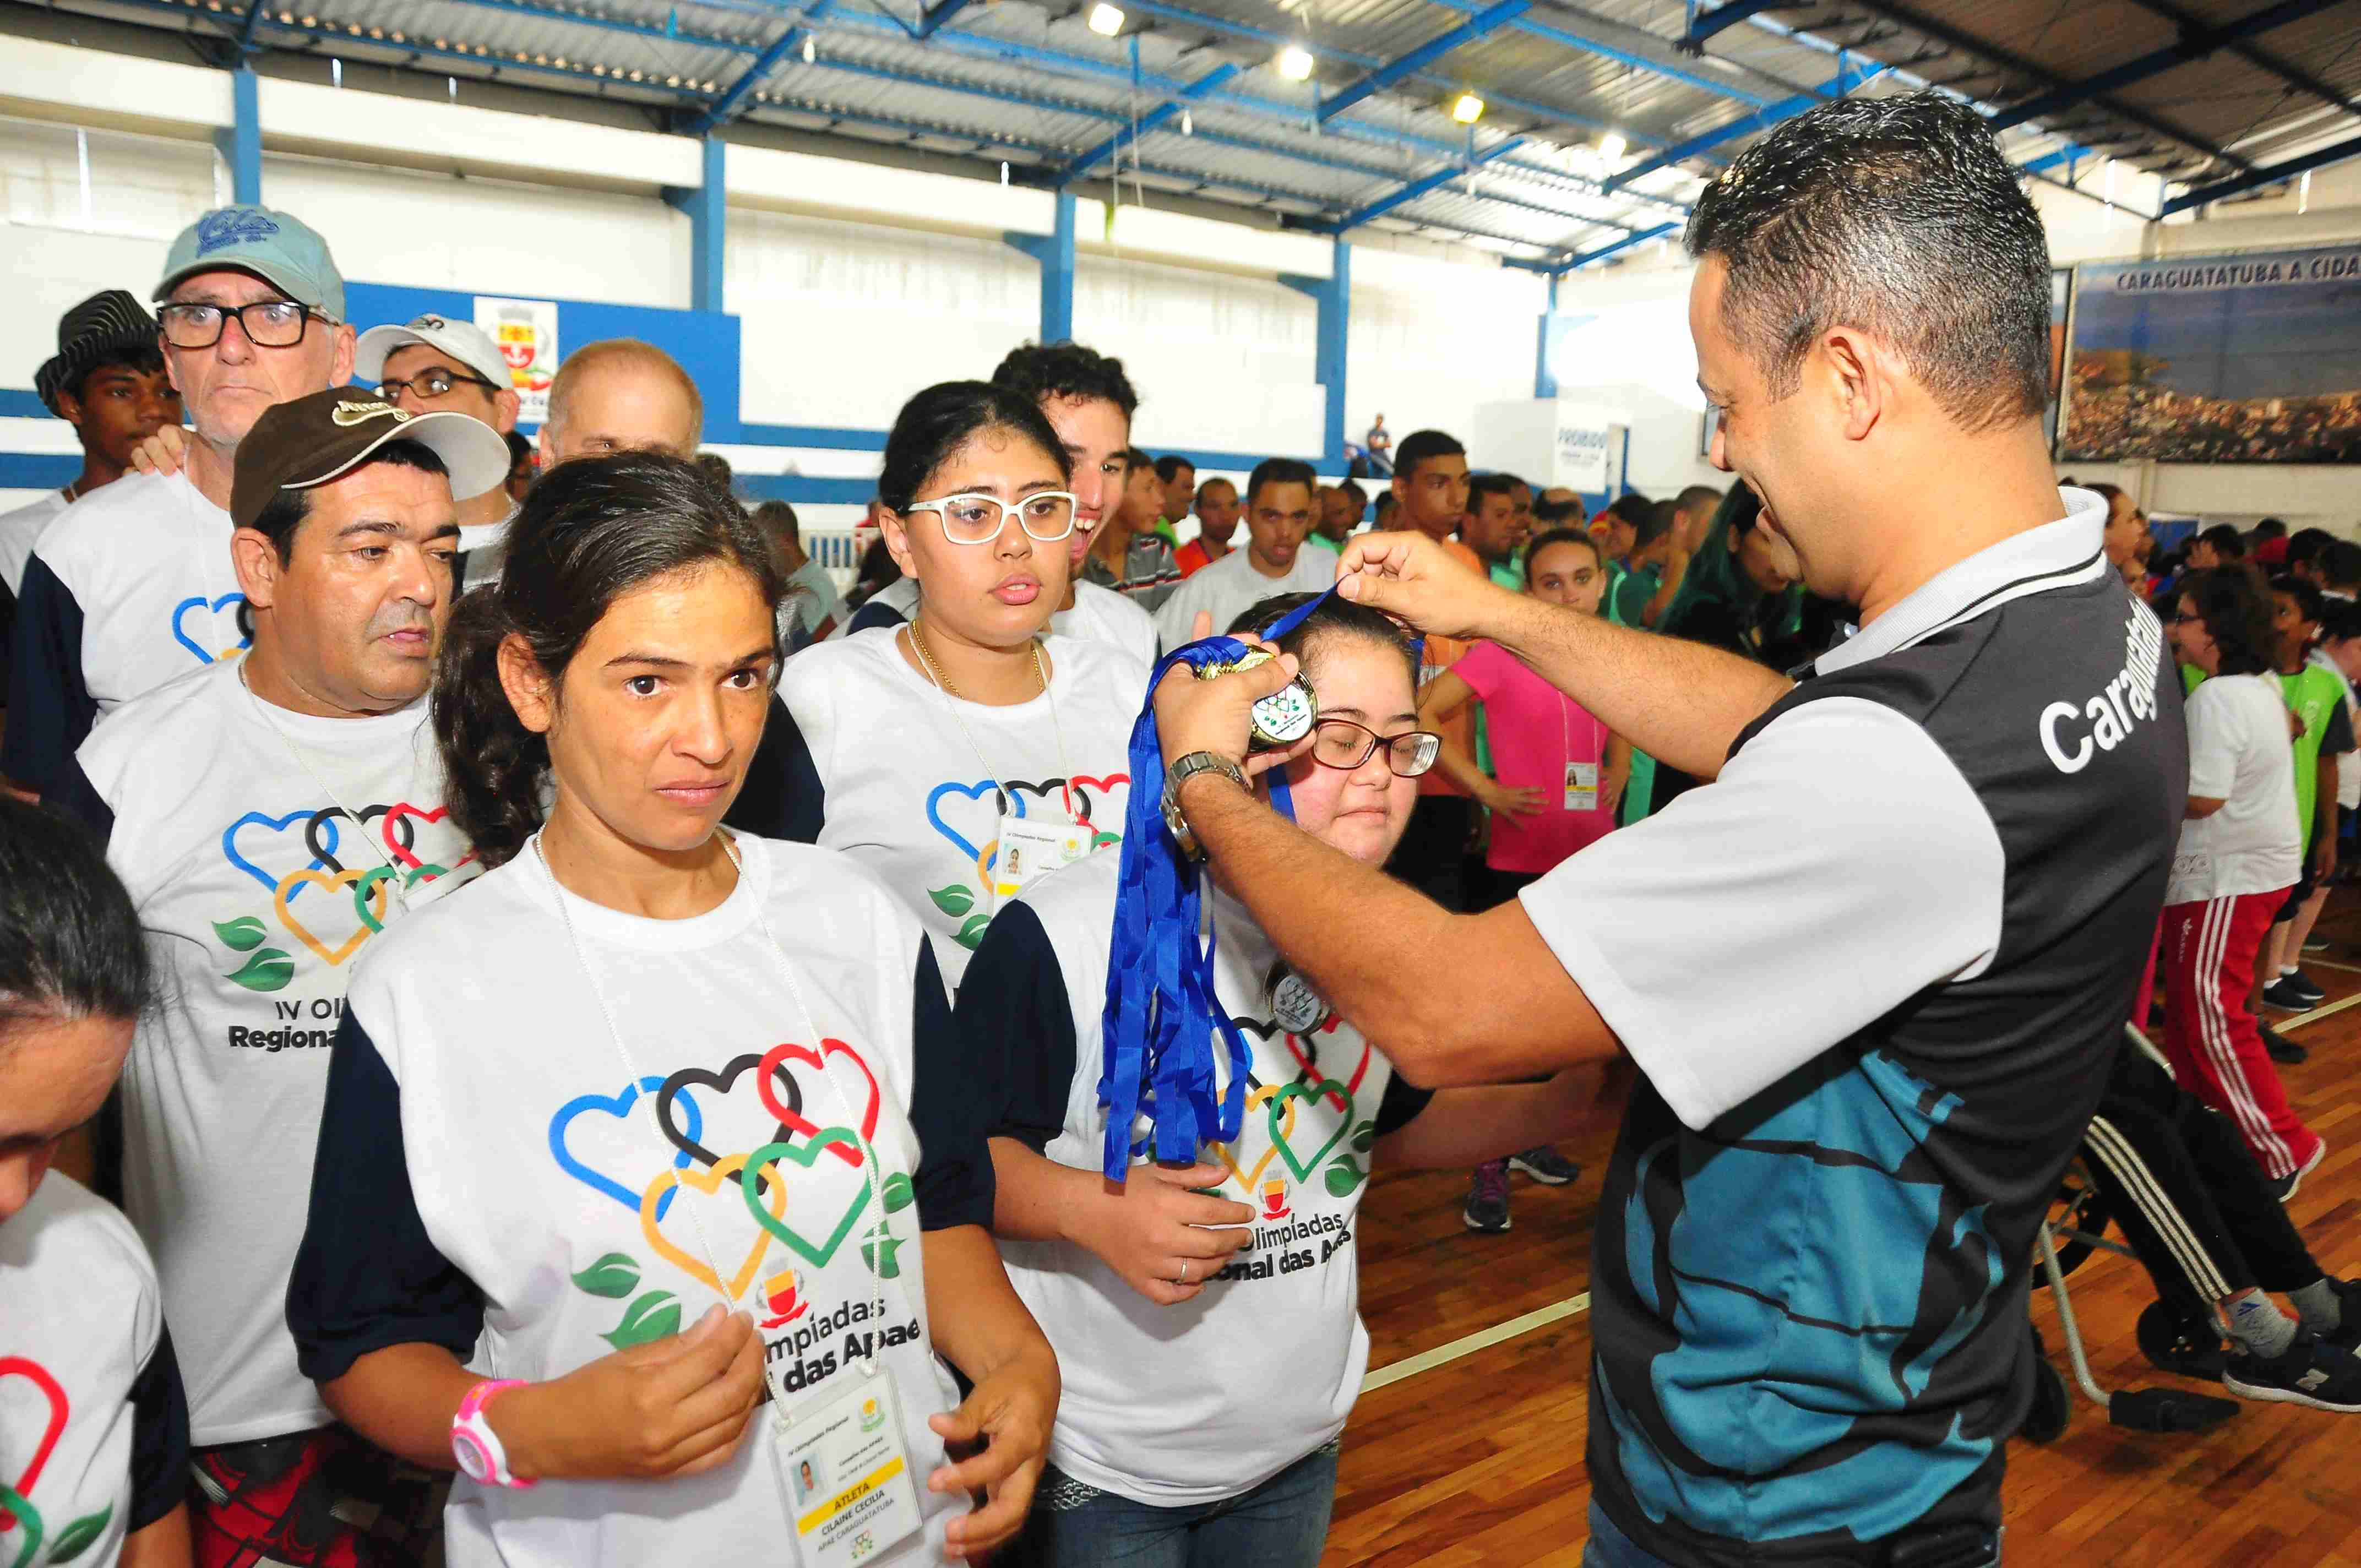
[(1283, 718)]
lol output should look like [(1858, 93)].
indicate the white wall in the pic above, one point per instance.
[(1431, 340)]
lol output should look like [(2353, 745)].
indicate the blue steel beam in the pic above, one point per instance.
[(1707, 23), (2192, 45), (1417, 187), (644, 30), (241, 141), (246, 44), (2255, 178), (727, 107), (1632, 57), (1156, 118), (1844, 82), (936, 15), (1489, 20), (1625, 243), (707, 207)]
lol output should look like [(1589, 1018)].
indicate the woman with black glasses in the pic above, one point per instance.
[(966, 752), (1206, 1316)]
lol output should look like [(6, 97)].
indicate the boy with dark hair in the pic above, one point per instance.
[(2220, 546), (1127, 555), (107, 380), (2316, 696), (1177, 476), (1490, 528)]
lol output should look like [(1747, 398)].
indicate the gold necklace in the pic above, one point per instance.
[(919, 646)]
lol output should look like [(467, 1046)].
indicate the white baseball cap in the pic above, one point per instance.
[(463, 341)]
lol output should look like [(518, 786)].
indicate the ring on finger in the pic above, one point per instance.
[(1184, 1273)]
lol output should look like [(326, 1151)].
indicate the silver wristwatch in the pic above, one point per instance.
[(1174, 776)]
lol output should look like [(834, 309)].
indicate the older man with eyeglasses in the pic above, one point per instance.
[(134, 586), (434, 364)]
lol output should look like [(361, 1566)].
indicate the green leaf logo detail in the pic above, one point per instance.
[(1364, 1137), (972, 932), (77, 1537), (953, 900), (614, 1276), (651, 1317), (268, 969), (898, 1192), (878, 1250), (1342, 1178), (241, 936)]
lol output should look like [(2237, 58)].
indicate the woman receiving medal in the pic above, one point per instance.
[(627, 1141), (1205, 1312), (964, 752)]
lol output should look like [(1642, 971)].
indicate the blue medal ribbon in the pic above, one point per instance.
[(1160, 1009)]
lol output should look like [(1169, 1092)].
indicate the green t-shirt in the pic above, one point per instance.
[(2316, 696), (1642, 782), (1628, 593)]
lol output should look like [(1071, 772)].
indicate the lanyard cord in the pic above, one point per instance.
[(1000, 792), (811, 1023)]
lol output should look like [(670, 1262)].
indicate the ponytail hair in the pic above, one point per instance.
[(591, 531)]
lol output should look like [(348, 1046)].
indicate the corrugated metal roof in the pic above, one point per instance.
[(1023, 80)]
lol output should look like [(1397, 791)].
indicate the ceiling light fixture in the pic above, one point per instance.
[(1106, 20), (811, 49), (1467, 108), (1295, 63), (1611, 146)]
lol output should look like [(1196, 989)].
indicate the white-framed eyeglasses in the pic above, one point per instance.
[(970, 517)]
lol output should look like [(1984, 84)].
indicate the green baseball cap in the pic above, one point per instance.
[(277, 248)]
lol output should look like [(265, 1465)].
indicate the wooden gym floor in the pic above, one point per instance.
[(1466, 1449)]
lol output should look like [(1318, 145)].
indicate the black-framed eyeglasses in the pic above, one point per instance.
[(435, 383), (267, 324), (1342, 744), (2184, 620)]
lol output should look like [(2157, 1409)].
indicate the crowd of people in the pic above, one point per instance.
[(519, 978)]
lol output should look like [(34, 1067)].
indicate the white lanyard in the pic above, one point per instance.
[(262, 711), (811, 1025)]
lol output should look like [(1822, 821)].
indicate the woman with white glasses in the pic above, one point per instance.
[(965, 753)]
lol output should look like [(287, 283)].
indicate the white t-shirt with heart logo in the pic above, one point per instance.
[(93, 1439), (1180, 1406), (902, 777), (129, 588), (535, 1195), (233, 828)]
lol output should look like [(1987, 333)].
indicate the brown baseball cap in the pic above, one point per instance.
[(314, 439)]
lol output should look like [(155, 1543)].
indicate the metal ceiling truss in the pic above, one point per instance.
[(2197, 40), (2301, 81)]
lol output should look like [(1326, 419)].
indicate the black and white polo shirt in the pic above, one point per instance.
[(1873, 976)]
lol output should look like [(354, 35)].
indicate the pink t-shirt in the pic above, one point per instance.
[(1536, 731)]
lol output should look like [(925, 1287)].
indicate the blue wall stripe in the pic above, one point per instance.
[(14, 404), (34, 471)]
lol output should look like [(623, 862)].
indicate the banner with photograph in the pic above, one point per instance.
[(2245, 359)]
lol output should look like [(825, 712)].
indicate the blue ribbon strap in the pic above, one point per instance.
[(1161, 1010)]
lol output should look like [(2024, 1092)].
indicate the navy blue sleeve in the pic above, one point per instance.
[(782, 797), (49, 708), (1400, 1104), (948, 1111), (71, 794), (2337, 735), (7, 633), (367, 1276), (872, 614), (1017, 1029), (159, 1438)]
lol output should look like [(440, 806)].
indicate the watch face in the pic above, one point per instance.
[(471, 1456)]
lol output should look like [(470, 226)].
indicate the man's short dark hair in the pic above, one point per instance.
[(1423, 445), (1280, 471), (1897, 215), (2340, 564), (2269, 528), (1134, 457), (1484, 484), (1209, 484), (2340, 622), (1633, 507), (1553, 513), (1169, 466), (1658, 524), (1066, 369), (1514, 481), (1698, 497), (2305, 543), (1360, 498), (778, 520), (520, 451), (2224, 540)]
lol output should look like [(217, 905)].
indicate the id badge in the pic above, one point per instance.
[(848, 1473), (1034, 846), (1582, 786)]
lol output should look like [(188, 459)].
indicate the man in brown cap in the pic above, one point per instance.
[(271, 814)]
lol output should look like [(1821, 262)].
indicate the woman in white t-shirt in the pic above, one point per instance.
[(93, 1429), (2240, 850), (632, 1135), (959, 754), (1206, 1317)]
